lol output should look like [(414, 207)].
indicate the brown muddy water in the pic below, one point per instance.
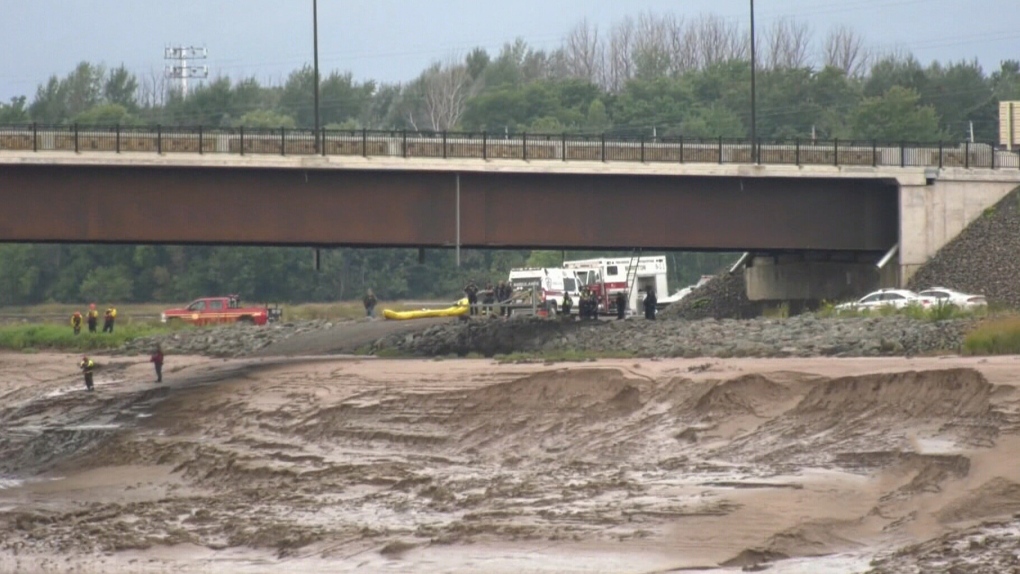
[(343, 464)]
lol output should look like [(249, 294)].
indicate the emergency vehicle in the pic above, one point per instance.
[(211, 310), (551, 282), (607, 276)]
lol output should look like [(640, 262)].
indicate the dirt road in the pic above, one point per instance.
[(332, 465), (344, 338)]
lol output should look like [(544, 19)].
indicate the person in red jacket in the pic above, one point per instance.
[(157, 361)]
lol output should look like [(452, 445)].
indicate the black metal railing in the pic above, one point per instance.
[(506, 146)]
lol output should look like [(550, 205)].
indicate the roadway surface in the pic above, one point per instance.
[(345, 338)]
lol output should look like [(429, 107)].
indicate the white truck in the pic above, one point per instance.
[(607, 276), (552, 283)]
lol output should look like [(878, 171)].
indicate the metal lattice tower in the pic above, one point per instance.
[(181, 70)]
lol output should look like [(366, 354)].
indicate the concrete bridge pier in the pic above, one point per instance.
[(805, 277)]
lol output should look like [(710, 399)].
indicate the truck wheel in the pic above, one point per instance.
[(553, 311), (246, 320)]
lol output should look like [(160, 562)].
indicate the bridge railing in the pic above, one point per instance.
[(485, 146)]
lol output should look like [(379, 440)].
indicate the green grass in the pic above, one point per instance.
[(29, 337), (994, 337), (940, 312)]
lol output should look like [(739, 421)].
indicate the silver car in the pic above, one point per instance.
[(943, 296), (895, 298)]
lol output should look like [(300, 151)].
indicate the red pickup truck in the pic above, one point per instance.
[(210, 310)]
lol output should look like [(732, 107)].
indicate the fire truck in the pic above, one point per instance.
[(607, 276)]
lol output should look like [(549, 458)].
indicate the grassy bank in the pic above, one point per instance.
[(999, 336), (60, 313), (38, 336)]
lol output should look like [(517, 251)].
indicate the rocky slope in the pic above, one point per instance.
[(984, 258), (801, 336), (232, 340), (724, 297)]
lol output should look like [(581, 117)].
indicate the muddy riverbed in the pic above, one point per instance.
[(333, 464)]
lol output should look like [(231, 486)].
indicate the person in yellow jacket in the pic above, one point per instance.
[(87, 365), (76, 320), (92, 317), (108, 319)]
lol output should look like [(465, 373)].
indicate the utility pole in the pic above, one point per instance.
[(181, 70), (315, 48), (754, 126)]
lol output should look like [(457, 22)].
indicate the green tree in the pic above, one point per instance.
[(597, 120), (106, 115), (50, 103), (108, 284), (266, 119), (15, 112), (121, 88), (897, 116)]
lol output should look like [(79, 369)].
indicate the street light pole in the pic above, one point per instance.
[(754, 126), (315, 47)]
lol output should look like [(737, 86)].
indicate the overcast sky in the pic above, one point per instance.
[(393, 40)]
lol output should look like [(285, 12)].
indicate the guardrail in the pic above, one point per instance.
[(484, 146)]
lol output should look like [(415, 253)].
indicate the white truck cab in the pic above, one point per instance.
[(552, 283)]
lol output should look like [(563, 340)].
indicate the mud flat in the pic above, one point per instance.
[(338, 464)]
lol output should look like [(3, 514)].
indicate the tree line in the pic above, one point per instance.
[(652, 75)]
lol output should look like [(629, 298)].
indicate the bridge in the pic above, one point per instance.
[(813, 213)]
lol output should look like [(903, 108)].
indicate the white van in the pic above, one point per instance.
[(552, 283)]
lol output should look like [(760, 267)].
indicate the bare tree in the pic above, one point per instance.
[(153, 90), (844, 50), (620, 56), (683, 45), (652, 47), (445, 90), (717, 40), (584, 52), (786, 44)]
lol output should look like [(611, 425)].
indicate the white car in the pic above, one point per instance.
[(943, 296), (895, 298)]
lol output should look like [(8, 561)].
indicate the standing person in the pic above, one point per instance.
[(650, 302), (86, 365), (568, 302), (92, 318), (471, 291), (369, 302), (157, 361), (108, 318), (502, 295), (76, 322), (621, 305), (490, 298)]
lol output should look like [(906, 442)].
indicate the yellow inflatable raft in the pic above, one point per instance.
[(458, 308)]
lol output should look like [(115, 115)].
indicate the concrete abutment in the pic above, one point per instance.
[(932, 215)]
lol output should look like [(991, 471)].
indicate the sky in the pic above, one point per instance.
[(394, 40)]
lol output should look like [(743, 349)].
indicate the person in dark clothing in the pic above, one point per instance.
[(471, 291), (76, 322), (489, 299), (108, 319), (92, 318), (621, 305), (589, 305), (568, 302), (369, 301), (157, 361), (501, 297), (86, 365), (650, 302)]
